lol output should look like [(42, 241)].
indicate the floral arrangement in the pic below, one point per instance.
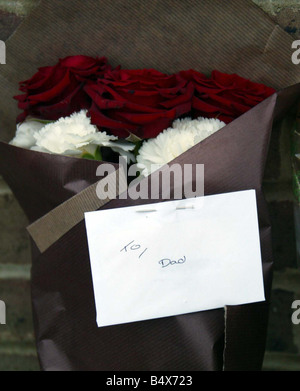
[(84, 107)]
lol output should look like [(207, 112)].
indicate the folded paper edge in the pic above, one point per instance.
[(51, 227)]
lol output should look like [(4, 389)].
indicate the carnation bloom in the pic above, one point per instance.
[(24, 136), (73, 135), (69, 135), (172, 142), (76, 135)]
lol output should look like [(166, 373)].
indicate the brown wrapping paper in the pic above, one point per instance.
[(51, 227), (168, 35)]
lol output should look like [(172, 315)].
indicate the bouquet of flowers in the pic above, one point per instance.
[(83, 113), (82, 106)]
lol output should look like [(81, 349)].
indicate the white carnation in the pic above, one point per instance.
[(70, 135), (24, 137), (172, 142), (74, 135)]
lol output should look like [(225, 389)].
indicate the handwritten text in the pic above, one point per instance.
[(165, 262), (134, 247)]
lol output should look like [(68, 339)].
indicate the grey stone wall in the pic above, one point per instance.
[(17, 349)]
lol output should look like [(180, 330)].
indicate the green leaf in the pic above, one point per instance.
[(42, 121), (133, 138), (137, 148), (98, 154), (88, 156)]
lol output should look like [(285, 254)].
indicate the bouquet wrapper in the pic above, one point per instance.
[(55, 191)]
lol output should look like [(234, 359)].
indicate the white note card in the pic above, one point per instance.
[(175, 257)]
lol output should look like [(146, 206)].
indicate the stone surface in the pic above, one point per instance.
[(18, 362), (281, 336), (18, 327), (281, 362), (284, 12), (287, 282), (14, 242), (17, 345), (283, 234), (278, 167), (20, 8)]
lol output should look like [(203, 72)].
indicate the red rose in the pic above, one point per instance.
[(57, 91), (224, 96), (139, 102)]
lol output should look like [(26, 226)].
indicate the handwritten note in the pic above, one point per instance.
[(175, 257)]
